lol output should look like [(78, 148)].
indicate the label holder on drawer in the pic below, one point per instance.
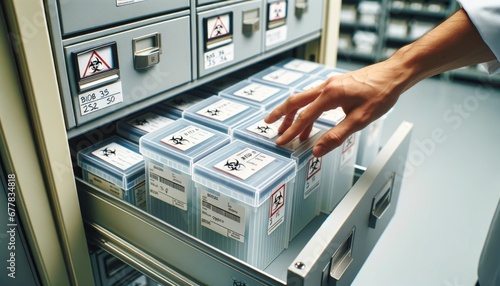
[(96, 66), (218, 31)]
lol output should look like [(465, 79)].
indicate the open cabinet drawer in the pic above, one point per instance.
[(330, 251)]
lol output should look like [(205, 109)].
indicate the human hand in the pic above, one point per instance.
[(364, 95)]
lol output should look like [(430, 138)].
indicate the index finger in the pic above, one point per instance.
[(292, 104)]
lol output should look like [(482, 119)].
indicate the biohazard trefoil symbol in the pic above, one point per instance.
[(95, 65), (213, 112), (178, 140), (141, 121), (108, 152), (278, 200), (314, 165), (234, 166), (263, 129)]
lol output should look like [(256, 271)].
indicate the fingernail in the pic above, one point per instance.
[(319, 151)]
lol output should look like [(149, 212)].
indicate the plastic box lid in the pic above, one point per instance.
[(114, 159), (310, 83), (244, 172), (139, 124), (328, 72), (219, 113), (256, 94), (279, 77), (181, 143), (259, 133), (331, 117), (301, 65), (183, 101)]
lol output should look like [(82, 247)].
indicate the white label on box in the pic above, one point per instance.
[(140, 195), (245, 163), (333, 116), (126, 2), (313, 176), (219, 56), (183, 101), (302, 66), (222, 110), (283, 76), (187, 137), (100, 98), (268, 131), (149, 122), (105, 185), (223, 216), (257, 92), (276, 35), (167, 186), (313, 84), (347, 151), (277, 209), (118, 155)]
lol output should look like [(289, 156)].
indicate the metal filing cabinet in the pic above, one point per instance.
[(331, 249), (228, 35), (290, 20)]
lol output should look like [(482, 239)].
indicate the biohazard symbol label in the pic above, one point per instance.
[(277, 11), (95, 64), (218, 26), (277, 200)]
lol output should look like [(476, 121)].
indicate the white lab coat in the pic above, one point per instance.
[(485, 15)]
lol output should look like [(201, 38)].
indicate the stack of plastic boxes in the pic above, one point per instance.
[(220, 114), (116, 166), (244, 202), (344, 158), (183, 101), (280, 77), (313, 174), (262, 96), (170, 153), (137, 125)]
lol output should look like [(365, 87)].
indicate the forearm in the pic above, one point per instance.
[(453, 44)]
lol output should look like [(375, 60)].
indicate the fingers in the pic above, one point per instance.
[(292, 104), (304, 121), (334, 137)]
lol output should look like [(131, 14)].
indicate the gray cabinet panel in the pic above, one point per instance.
[(81, 15)]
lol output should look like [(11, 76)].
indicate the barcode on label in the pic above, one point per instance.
[(167, 182), (221, 212)]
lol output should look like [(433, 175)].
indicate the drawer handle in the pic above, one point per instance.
[(381, 202), (342, 258), (300, 8)]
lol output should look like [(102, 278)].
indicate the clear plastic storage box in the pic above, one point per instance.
[(185, 100), (313, 174), (300, 65), (259, 95), (370, 142), (345, 160), (310, 83), (116, 166), (170, 153), (280, 77), (219, 113), (244, 201), (139, 124)]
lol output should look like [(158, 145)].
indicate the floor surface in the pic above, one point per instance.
[(450, 190)]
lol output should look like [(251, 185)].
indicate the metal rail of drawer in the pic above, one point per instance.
[(332, 254)]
